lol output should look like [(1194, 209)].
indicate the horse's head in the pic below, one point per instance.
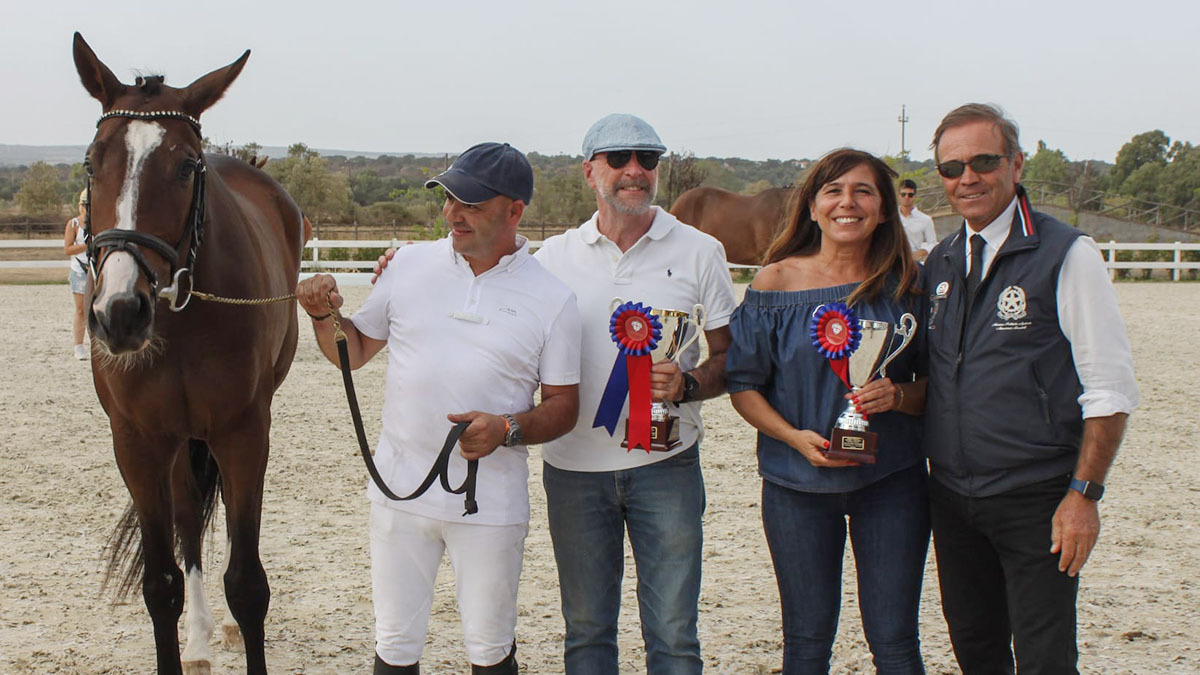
[(146, 182)]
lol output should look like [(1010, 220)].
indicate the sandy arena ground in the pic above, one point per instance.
[(1139, 608)]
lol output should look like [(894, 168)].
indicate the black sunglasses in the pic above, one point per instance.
[(978, 164), (908, 194), (619, 158)]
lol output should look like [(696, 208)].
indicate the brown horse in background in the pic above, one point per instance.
[(744, 224), (187, 387)]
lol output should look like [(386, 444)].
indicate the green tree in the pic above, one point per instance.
[(320, 193), (41, 191), (1048, 165), (1145, 148)]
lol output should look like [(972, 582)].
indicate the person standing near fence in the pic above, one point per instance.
[(918, 226), (1030, 384), (75, 247), (474, 326)]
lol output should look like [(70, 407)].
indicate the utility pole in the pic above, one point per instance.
[(903, 120)]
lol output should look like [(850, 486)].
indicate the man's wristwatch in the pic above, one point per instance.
[(691, 388), (512, 431), (1093, 491)]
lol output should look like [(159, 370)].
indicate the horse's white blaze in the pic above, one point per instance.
[(199, 620), (120, 271)]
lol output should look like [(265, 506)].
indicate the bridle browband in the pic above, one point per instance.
[(108, 242)]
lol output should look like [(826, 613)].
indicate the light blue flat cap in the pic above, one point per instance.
[(619, 131)]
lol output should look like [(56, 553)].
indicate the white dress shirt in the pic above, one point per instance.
[(1088, 316)]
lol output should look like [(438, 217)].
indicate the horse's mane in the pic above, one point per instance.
[(150, 85)]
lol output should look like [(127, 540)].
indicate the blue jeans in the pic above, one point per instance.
[(661, 505), (889, 530)]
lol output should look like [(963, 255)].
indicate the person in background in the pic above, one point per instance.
[(1030, 384), (75, 248), (918, 227), (842, 243)]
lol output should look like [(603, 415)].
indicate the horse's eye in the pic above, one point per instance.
[(87, 168), (186, 169)]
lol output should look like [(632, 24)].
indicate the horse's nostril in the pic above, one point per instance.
[(129, 315)]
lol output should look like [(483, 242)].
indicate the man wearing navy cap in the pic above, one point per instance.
[(474, 326), (596, 489)]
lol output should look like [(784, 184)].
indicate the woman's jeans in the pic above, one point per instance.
[(889, 530), (661, 506)]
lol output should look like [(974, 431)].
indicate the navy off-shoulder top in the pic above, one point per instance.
[(772, 354)]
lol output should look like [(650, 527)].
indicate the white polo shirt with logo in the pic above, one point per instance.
[(673, 266), (456, 343)]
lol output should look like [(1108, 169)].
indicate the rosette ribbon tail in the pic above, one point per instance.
[(638, 435), (608, 413)]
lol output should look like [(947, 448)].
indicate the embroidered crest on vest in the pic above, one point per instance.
[(1010, 306)]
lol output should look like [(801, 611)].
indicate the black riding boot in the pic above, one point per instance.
[(506, 667), (384, 668)]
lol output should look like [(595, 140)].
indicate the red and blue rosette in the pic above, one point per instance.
[(835, 332), (636, 332)]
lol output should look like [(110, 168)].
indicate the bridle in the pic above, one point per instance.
[(103, 245)]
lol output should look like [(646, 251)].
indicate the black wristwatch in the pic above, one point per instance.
[(1093, 491), (512, 431), (691, 389)]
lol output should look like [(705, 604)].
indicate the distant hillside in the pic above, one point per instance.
[(24, 155)]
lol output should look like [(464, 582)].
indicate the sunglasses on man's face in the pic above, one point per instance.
[(978, 164), (908, 194), (619, 158)]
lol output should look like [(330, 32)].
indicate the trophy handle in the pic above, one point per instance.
[(906, 330), (700, 318), (612, 306)]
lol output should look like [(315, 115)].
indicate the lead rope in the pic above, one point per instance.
[(441, 466)]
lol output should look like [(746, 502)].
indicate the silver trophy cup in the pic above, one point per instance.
[(674, 339), (850, 439)]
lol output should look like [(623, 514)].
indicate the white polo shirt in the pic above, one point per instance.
[(456, 343), (673, 266)]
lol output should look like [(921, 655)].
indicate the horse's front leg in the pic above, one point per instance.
[(145, 464), (241, 451), (195, 482)]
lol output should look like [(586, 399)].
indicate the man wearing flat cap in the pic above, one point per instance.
[(474, 325), (595, 488)]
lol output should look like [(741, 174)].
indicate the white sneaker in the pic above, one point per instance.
[(80, 353)]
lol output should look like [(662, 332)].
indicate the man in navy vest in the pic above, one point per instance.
[(1030, 384)]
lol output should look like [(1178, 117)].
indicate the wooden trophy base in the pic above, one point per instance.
[(664, 435), (856, 446)]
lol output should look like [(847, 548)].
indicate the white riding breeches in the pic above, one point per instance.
[(406, 550)]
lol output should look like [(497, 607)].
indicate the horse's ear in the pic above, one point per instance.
[(207, 90), (96, 77)]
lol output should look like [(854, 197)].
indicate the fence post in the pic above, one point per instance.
[(1177, 274), (1112, 258), (316, 254)]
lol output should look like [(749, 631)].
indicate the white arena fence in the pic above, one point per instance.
[(313, 263)]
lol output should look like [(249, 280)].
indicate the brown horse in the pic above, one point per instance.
[(187, 387), (745, 225)]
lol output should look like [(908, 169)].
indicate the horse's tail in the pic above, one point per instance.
[(126, 559)]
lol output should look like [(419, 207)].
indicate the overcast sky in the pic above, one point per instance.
[(785, 79)]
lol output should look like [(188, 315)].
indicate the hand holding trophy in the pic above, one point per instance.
[(644, 336), (858, 350)]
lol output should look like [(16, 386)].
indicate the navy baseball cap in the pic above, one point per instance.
[(485, 171), (620, 131)]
